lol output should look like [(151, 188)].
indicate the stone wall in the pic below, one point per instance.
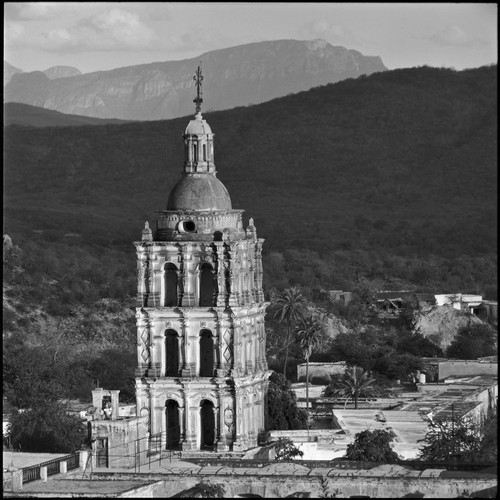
[(459, 368), (323, 370), (427, 484)]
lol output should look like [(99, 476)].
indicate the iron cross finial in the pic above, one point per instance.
[(198, 78)]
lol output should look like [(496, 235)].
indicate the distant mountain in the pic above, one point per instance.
[(236, 76), (8, 71), (15, 113), (62, 72)]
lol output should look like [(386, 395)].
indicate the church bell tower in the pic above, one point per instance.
[(201, 372)]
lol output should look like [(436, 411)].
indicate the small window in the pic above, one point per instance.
[(187, 226)]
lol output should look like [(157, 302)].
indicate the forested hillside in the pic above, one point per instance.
[(383, 182), (16, 113)]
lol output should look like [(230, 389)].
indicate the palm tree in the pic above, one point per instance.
[(354, 382), (310, 332), (288, 308)]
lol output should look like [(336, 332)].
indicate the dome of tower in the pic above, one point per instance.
[(199, 192), (198, 126)]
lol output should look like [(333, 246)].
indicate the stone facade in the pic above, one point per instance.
[(201, 375)]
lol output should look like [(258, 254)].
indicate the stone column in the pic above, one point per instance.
[(238, 349), (155, 276), (188, 296), (142, 278), (238, 442), (181, 343), (232, 278), (155, 350), (258, 270), (221, 271), (182, 424), (154, 425), (189, 359), (43, 473), (217, 431)]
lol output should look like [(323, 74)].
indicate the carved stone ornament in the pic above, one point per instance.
[(144, 412), (228, 416)]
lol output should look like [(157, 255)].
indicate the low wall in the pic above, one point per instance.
[(323, 370), (313, 435), (301, 483), (459, 368)]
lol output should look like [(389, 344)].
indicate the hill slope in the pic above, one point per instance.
[(400, 163), (16, 113), (241, 75)]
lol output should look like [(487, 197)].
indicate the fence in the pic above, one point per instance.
[(73, 461), (33, 473)]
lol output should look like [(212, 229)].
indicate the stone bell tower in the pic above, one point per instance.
[(201, 368)]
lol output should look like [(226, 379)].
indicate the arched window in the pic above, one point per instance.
[(204, 152), (171, 353), (173, 431), (206, 354), (207, 285), (195, 151), (207, 424), (170, 291)]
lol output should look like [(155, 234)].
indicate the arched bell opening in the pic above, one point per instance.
[(170, 285), (207, 285), (206, 353), (207, 422), (171, 353)]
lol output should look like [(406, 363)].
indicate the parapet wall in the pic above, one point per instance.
[(298, 483)]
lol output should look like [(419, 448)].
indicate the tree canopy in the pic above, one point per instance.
[(372, 446), (282, 410), (453, 439), (46, 427), (472, 342)]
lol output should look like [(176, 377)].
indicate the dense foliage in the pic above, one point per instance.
[(286, 450), (353, 384), (459, 439), (46, 427), (388, 347), (472, 342), (372, 446), (282, 410)]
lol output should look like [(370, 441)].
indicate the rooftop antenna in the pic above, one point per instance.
[(198, 78)]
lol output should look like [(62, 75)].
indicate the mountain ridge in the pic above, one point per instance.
[(240, 75)]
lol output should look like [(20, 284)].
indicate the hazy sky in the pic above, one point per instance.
[(96, 36)]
